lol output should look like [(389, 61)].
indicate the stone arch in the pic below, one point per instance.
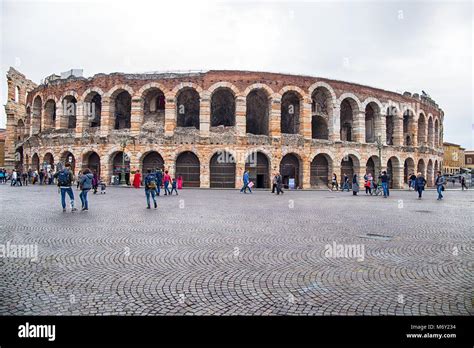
[(430, 173), (372, 166), (393, 164), (35, 161), (36, 115), (291, 168), (222, 169), (69, 110), (188, 166), (153, 103), (349, 109), (291, 105), (224, 84), (48, 161), (258, 165), (119, 165), (255, 86), (436, 133), (430, 131), (175, 91), (322, 109), (372, 116), (20, 130), (422, 125), (408, 169), (350, 165), (188, 103), (258, 107), (409, 127), (91, 160), (151, 160), (325, 86), (421, 167), (321, 170), (50, 113), (223, 107), (92, 102), (392, 113), (68, 157)]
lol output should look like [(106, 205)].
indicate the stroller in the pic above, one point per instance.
[(103, 187)]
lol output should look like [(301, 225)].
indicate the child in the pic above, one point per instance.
[(173, 187), (103, 186)]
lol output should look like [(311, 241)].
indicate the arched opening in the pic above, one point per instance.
[(70, 112), (28, 121), (321, 108), (436, 169), (91, 160), (50, 114), (421, 130), (392, 166), (222, 170), (290, 113), (290, 171), (222, 108), (390, 124), (372, 114), (258, 112), (68, 157), (188, 104), (19, 159), (349, 166), (348, 110), (17, 94), (408, 169), (259, 169), (154, 103), (408, 135), (20, 130), (436, 133), (93, 109), (120, 166), (188, 167), (320, 171), (373, 166), (36, 117), (430, 132), (430, 174), (152, 161), (420, 168), (48, 162), (35, 162), (123, 110)]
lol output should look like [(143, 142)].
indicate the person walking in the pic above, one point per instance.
[(166, 182), (95, 182), (440, 182), (137, 179), (41, 177), (245, 179), (14, 178), (85, 183), (159, 180), (65, 179), (150, 188), (79, 177), (463, 182), (334, 182), (174, 185), (345, 183), (355, 185), (2, 176), (411, 182), (180, 182), (420, 183), (274, 182), (368, 183), (384, 179), (279, 186)]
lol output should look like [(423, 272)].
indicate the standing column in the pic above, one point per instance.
[(59, 115), (358, 127), (170, 115), (205, 114), (306, 170), (334, 124), (413, 130), (274, 126), (381, 128), (204, 174), (397, 176), (136, 116), (81, 118), (107, 117), (398, 130), (240, 116), (10, 141), (239, 170), (306, 115)]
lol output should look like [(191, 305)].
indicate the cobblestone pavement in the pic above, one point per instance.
[(225, 253)]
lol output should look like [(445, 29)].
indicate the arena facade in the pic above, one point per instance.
[(209, 126)]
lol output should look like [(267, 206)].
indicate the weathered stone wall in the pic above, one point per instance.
[(169, 141)]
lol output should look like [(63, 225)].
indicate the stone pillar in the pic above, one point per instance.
[(107, 118), (105, 173), (334, 124), (381, 128), (397, 176), (81, 118), (398, 130), (274, 124), (413, 130), (336, 168), (239, 170), (10, 142), (205, 114), (306, 116), (205, 174), (59, 115), (170, 115), (306, 171), (136, 118), (240, 116), (358, 127)]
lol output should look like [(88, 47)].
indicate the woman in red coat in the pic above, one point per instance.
[(180, 182), (137, 179)]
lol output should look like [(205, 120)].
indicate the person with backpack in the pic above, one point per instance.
[(65, 179), (150, 188), (440, 182), (420, 183), (85, 184), (159, 180)]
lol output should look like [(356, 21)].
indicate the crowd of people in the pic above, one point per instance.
[(156, 181)]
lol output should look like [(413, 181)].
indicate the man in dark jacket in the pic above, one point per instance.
[(159, 180), (384, 179), (85, 183), (150, 188), (65, 178), (279, 182), (420, 183), (440, 182)]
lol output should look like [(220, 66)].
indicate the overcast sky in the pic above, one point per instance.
[(399, 46)]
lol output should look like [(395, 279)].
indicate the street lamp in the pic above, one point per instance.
[(379, 147)]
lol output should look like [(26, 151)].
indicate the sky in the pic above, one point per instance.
[(398, 46)]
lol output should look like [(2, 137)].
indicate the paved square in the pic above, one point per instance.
[(224, 253)]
